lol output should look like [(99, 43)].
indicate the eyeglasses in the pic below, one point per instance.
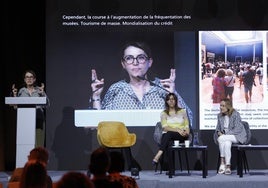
[(29, 77), (141, 59)]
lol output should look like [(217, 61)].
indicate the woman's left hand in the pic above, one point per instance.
[(41, 89), (169, 83), (185, 133)]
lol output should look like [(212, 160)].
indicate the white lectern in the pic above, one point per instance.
[(139, 118), (26, 123)]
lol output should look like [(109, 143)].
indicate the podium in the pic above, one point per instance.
[(132, 118), (26, 125)]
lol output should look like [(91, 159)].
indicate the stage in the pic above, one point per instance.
[(150, 179)]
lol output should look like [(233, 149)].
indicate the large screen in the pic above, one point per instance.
[(88, 35)]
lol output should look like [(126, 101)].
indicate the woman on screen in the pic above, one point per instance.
[(229, 130), (137, 91)]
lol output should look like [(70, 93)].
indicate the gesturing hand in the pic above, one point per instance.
[(41, 89), (169, 83), (14, 90), (96, 84)]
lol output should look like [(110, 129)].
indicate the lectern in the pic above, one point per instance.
[(139, 118), (26, 123)]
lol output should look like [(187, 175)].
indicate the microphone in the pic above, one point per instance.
[(142, 78), (152, 83)]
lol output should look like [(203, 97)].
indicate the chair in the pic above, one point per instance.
[(115, 135), (244, 157), (157, 138), (234, 146)]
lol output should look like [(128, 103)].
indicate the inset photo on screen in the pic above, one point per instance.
[(233, 64)]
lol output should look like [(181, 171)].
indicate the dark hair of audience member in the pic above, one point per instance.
[(34, 175), (40, 154), (99, 161), (117, 162), (74, 180)]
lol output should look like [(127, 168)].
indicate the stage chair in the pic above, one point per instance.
[(244, 156), (234, 146), (157, 139), (115, 135)]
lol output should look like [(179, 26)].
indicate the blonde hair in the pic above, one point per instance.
[(229, 72), (229, 106)]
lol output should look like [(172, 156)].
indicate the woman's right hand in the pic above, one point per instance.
[(219, 133), (182, 132), (169, 84), (96, 85), (14, 90)]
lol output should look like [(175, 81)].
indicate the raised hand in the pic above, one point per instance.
[(169, 83), (14, 90), (41, 89), (96, 84)]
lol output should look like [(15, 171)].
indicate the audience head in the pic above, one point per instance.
[(99, 161), (34, 175), (39, 154), (117, 162), (74, 180)]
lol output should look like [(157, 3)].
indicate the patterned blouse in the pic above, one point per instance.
[(120, 96), (23, 92)]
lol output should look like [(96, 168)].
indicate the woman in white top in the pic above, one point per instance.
[(229, 84), (259, 72)]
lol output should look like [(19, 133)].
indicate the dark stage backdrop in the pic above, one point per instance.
[(64, 56)]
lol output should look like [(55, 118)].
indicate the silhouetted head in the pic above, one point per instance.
[(39, 154), (99, 161), (117, 162), (34, 175), (74, 180)]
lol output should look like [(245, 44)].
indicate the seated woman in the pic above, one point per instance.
[(175, 125), (229, 130)]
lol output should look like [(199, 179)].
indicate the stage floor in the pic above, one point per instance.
[(150, 179)]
